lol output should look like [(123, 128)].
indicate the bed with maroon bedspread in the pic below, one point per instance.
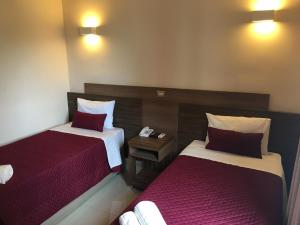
[(50, 170), (195, 191)]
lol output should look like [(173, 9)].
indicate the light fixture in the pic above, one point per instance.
[(83, 31), (263, 15), (91, 35), (91, 31)]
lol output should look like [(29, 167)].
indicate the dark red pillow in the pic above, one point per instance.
[(247, 144), (89, 121)]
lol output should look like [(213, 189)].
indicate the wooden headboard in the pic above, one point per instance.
[(284, 132), (181, 113), (237, 100), (160, 106)]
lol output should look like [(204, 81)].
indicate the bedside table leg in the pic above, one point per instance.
[(131, 169)]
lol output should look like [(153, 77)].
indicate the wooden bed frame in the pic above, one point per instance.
[(181, 113)]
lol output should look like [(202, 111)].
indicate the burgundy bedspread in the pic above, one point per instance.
[(50, 170), (195, 191)]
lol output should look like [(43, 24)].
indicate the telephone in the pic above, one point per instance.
[(146, 131)]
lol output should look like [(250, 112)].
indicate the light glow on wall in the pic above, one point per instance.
[(93, 43), (91, 19), (258, 5), (92, 39), (265, 28)]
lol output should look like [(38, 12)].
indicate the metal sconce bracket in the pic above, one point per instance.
[(264, 15)]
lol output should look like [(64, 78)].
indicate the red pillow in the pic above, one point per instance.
[(247, 144), (89, 121)]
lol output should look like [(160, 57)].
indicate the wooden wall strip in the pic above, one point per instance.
[(161, 116), (211, 98)]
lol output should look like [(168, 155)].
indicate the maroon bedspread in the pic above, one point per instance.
[(195, 191), (50, 170)]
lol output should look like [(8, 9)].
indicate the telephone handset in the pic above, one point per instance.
[(146, 131)]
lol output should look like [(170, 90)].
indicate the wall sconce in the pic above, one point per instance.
[(91, 36), (263, 18), (83, 31), (263, 15), (91, 31), (264, 22)]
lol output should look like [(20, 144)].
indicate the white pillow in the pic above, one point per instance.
[(98, 107), (244, 125)]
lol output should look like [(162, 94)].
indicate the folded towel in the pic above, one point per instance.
[(147, 213), (6, 172), (128, 218)]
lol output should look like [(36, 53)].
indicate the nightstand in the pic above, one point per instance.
[(151, 152)]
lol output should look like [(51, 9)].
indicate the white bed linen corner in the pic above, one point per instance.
[(128, 218), (270, 163), (113, 139), (148, 213), (6, 172)]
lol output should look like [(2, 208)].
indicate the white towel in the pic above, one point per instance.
[(6, 172), (147, 213), (128, 218)]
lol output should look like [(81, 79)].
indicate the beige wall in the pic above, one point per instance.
[(197, 44), (33, 67)]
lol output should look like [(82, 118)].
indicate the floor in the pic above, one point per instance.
[(104, 206)]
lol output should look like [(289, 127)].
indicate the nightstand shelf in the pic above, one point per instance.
[(143, 154), (152, 152)]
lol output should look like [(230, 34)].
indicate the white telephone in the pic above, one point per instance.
[(146, 131)]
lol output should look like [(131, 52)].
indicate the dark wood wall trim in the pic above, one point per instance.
[(235, 100)]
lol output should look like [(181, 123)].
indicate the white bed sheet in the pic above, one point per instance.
[(113, 139), (270, 163)]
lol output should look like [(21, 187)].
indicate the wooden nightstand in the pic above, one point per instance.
[(152, 152)]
